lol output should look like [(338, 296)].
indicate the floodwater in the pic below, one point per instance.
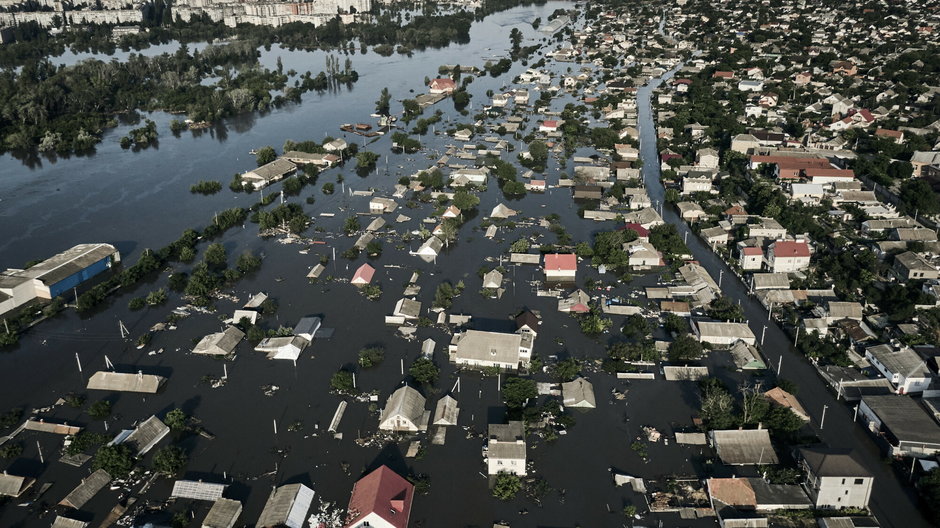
[(141, 199)]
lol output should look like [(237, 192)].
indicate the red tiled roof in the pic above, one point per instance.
[(384, 493), (732, 491), (561, 262), (443, 83), (638, 229), (752, 251), (551, 123), (789, 248), (884, 132), (363, 274), (735, 211), (829, 173)]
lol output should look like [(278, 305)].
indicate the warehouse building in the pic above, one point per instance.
[(56, 275)]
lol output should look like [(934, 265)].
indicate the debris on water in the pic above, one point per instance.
[(651, 433), (269, 390)]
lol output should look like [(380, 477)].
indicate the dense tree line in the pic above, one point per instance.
[(65, 108)]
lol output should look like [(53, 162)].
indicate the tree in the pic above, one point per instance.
[(265, 155), (374, 249), (100, 410), (248, 262), (465, 201), (725, 309), (216, 257), (636, 327), (539, 152), (117, 460), (382, 104), (366, 159), (684, 348), (170, 460), (423, 370), (351, 225), (11, 450), (717, 404), (342, 381), (371, 356), (918, 197), (411, 109), (516, 391), (506, 486), (520, 246), (156, 297), (593, 323), (624, 351), (176, 420), (754, 405), (675, 324), (666, 239), (444, 295), (566, 370), (929, 488)]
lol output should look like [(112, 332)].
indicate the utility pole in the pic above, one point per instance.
[(721, 275), (779, 365), (762, 334), (855, 417), (822, 420), (79, 363), (39, 447)]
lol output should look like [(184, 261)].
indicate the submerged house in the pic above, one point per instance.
[(381, 499), (122, 382), (269, 173), (220, 343), (506, 449), (476, 348), (284, 347), (404, 412), (286, 506)]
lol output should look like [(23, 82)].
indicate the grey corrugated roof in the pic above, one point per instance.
[(724, 329), (87, 489), (13, 485), (831, 462), (147, 434), (69, 262), (744, 447), (220, 343), (446, 411), (198, 490), (272, 171), (222, 514), (65, 522), (279, 504), (488, 346), (123, 382), (904, 417), (508, 432), (578, 393), (406, 402), (904, 361)]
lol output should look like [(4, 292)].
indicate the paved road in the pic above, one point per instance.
[(895, 505)]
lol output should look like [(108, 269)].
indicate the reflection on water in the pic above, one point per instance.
[(49, 202)]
